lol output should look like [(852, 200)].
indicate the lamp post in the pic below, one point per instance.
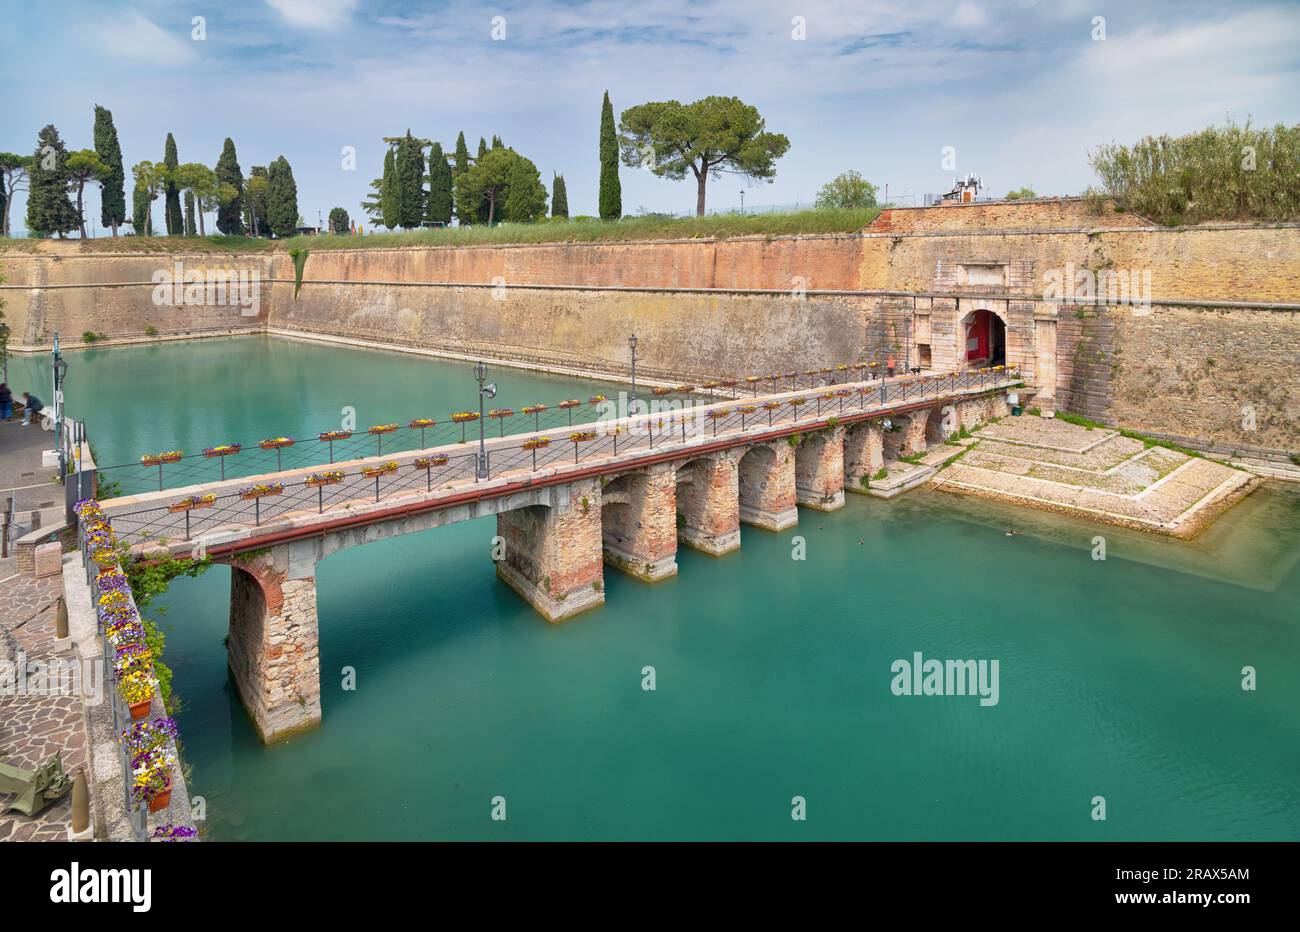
[(742, 200), (60, 369), (4, 351), (484, 391), (631, 404)]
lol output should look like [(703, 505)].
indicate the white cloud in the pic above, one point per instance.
[(315, 14), (132, 36), (969, 14)]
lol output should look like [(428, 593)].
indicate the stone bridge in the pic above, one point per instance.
[(622, 492)]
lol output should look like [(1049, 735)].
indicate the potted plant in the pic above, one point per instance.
[(533, 444), (149, 746), (329, 436), (137, 689), (173, 833), (462, 418), (224, 449), (580, 436), (157, 459), (569, 405), (383, 469), (382, 429), (428, 462), (500, 414), (261, 490), (319, 479)]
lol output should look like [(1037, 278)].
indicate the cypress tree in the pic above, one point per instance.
[(48, 209), (112, 200), (464, 215), (229, 216), (559, 198), (190, 228), (390, 195), (611, 192), (482, 147), (409, 164), (486, 211), (440, 181), (140, 210), (172, 194), (281, 198), (496, 142)]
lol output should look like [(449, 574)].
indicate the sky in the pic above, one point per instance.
[(1021, 90)]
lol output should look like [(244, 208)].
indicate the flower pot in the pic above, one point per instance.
[(163, 799), (140, 709)]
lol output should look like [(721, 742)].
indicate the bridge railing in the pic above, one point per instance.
[(423, 472)]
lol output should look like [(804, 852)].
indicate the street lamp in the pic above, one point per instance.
[(742, 200), (60, 367), (631, 404), (484, 391), (4, 351)]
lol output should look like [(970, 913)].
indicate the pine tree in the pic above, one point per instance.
[(340, 222), (48, 209), (229, 216), (464, 215), (409, 164), (440, 182), (559, 198), (172, 194), (140, 210), (390, 195), (525, 196), (112, 198), (611, 192), (281, 198)]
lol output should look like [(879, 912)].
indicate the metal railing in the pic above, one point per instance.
[(601, 441)]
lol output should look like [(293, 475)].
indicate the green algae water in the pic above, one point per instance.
[(1119, 678)]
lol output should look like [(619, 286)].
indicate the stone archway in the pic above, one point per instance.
[(638, 522), (708, 503), (767, 491), (982, 339)]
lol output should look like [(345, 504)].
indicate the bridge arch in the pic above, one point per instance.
[(766, 485)]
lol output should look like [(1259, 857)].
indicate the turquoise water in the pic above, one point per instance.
[(1118, 678)]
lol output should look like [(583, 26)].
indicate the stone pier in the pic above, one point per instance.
[(819, 470), (553, 553), (708, 513), (864, 454), (274, 646), (639, 522), (767, 486)]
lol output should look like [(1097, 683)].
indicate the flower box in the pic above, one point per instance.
[(582, 436), (421, 422), (717, 413), (149, 747), (747, 409), (597, 399), (501, 412), (163, 798), (157, 459), (140, 709), (461, 417), (193, 502), (382, 429), (261, 490), (371, 472), (318, 479), (275, 443), (536, 443), (796, 402), (771, 405), (710, 385), (225, 449), (662, 390), (570, 403), (428, 462), (331, 435), (533, 409), (684, 389)]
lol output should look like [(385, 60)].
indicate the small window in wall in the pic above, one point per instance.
[(923, 355)]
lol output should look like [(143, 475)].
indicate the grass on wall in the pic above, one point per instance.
[(579, 230)]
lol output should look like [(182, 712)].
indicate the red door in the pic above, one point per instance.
[(977, 336)]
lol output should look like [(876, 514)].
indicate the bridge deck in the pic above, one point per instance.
[(227, 518)]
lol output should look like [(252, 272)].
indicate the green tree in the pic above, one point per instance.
[(255, 200), (229, 214), (191, 229), (340, 222), (482, 147), (281, 198), (112, 188), (150, 182), (83, 166), (487, 186), (409, 163), (1020, 194), (496, 142), (14, 175), (525, 195), (390, 193), (611, 190), (559, 198), (202, 190), (171, 193), (708, 137), (440, 186), (847, 190), (461, 161), (48, 209), (483, 211)]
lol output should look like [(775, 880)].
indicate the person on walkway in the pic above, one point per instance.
[(889, 365), (6, 402), (31, 408)]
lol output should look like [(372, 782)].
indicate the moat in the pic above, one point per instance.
[(1119, 678)]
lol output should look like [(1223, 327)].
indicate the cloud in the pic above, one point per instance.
[(131, 36), (314, 14)]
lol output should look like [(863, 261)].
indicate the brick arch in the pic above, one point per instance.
[(990, 307)]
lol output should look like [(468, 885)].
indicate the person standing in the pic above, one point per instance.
[(6, 402)]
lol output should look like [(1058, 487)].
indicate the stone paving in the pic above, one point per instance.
[(32, 728), (1058, 466)]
